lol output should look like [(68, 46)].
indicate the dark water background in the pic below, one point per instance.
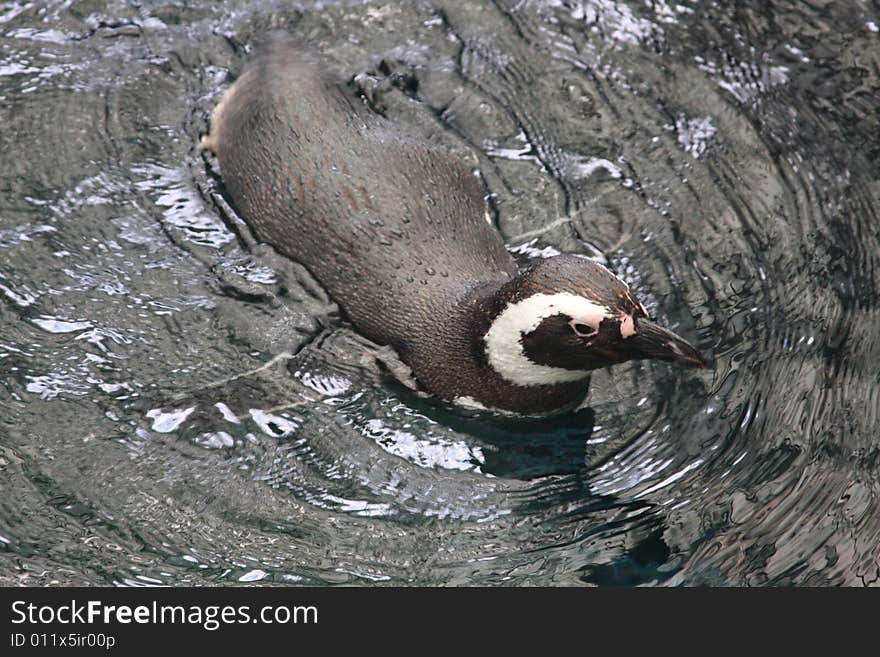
[(176, 408)]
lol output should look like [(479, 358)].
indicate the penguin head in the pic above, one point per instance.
[(567, 315)]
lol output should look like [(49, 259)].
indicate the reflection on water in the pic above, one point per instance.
[(180, 407)]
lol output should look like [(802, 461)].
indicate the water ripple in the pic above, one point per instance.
[(180, 406)]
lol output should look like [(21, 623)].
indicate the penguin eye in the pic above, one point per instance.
[(581, 329)]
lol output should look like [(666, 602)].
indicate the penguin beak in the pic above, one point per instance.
[(653, 341)]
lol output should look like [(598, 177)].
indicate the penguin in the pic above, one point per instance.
[(396, 231)]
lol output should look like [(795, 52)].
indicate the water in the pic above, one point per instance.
[(178, 408)]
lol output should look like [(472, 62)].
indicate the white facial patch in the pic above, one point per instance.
[(503, 339)]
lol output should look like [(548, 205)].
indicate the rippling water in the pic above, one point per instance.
[(179, 408)]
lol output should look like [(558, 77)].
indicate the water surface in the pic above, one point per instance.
[(177, 407)]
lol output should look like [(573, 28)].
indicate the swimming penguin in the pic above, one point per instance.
[(395, 229)]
